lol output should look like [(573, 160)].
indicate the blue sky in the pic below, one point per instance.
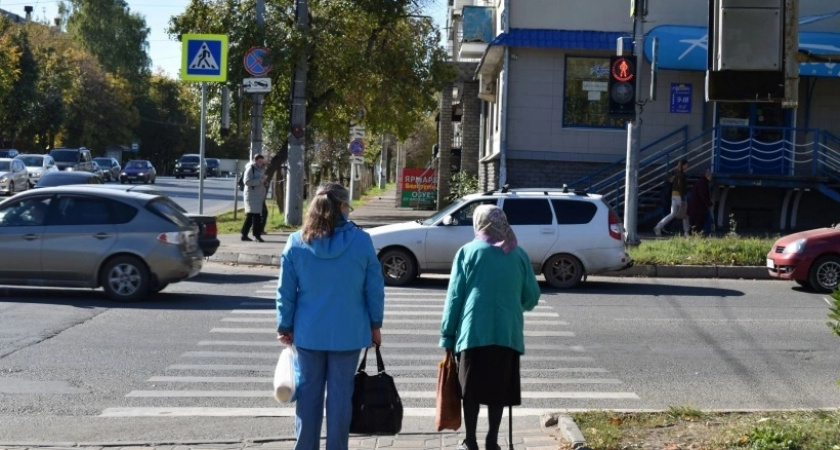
[(165, 54)]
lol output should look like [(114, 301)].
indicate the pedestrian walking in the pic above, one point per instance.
[(678, 205), (491, 285), (665, 197), (699, 205), (330, 305), (255, 193)]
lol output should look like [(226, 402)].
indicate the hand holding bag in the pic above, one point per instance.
[(377, 408), (286, 375), (448, 404)]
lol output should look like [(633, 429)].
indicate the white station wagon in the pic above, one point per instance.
[(568, 235)]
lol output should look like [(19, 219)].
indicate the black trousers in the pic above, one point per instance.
[(254, 219)]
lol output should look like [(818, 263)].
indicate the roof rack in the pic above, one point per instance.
[(565, 190)]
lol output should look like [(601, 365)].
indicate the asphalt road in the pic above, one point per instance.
[(195, 363)]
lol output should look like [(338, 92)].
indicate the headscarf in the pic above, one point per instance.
[(491, 226)]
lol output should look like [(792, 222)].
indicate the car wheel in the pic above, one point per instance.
[(398, 267), (563, 271), (125, 279), (11, 188), (153, 180), (825, 274)]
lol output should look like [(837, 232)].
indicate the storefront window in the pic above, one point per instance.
[(586, 103)]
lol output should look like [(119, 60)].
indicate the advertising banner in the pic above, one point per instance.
[(419, 188)]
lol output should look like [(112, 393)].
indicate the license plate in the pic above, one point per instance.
[(771, 264)]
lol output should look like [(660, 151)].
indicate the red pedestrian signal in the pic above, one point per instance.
[(622, 85)]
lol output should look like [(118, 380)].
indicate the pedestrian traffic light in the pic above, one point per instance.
[(622, 85)]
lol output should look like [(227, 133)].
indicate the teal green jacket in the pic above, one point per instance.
[(488, 293)]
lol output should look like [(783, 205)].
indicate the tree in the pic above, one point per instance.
[(368, 56), (9, 58), (111, 32), (16, 106)]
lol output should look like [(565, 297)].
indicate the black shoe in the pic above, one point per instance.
[(492, 446), (259, 239), (246, 238)]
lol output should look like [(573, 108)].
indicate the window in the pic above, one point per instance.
[(586, 101), (29, 212), (464, 216), (573, 212), (532, 211)]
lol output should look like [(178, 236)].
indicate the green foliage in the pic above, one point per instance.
[(728, 251), (771, 438), (460, 185), (834, 313), (9, 57)]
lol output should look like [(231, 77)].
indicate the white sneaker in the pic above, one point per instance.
[(657, 231)]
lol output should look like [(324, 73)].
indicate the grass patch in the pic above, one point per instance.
[(697, 250), (682, 428), (276, 219)]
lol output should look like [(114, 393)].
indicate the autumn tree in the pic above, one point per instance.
[(111, 32), (377, 62)]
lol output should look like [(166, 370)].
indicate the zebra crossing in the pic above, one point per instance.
[(230, 373)]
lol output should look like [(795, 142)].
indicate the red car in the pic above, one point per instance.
[(811, 258)]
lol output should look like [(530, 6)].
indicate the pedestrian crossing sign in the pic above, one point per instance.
[(204, 57)]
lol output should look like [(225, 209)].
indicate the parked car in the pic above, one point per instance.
[(110, 166), (810, 258), (72, 159), (568, 235), (214, 167), (53, 179), (98, 171), (37, 166), (131, 244), (188, 166), (13, 176), (207, 229), (138, 170), (8, 153)]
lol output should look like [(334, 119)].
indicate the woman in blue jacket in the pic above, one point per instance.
[(330, 304), (492, 284)]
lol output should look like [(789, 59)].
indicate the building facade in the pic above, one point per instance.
[(541, 76)]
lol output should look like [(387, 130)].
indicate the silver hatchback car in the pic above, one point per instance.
[(132, 244)]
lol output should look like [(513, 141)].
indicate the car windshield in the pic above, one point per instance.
[(212, 162), (32, 161), (443, 212), (6, 153), (190, 159), (4, 166), (104, 162), (65, 155), (135, 165)]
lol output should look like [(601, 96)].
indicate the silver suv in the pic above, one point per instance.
[(568, 235), (72, 159)]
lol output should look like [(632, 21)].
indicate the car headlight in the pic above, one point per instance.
[(797, 246), (141, 174), (122, 173), (178, 165), (4, 179), (69, 169)]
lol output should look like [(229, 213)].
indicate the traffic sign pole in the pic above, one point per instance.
[(201, 147)]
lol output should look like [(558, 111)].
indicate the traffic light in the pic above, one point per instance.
[(622, 85)]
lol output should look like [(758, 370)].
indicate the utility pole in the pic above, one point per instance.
[(383, 171), (257, 106), (297, 130), (634, 130)]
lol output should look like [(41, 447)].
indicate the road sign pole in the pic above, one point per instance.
[(201, 147), (256, 108), (297, 135)]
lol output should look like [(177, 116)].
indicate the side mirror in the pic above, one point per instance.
[(450, 221)]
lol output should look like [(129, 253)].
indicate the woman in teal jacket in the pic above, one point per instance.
[(492, 284), (330, 304)]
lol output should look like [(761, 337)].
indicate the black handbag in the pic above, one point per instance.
[(377, 408)]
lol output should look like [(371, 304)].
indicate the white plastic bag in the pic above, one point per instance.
[(286, 375)]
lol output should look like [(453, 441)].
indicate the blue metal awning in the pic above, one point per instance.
[(684, 48), (567, 39)]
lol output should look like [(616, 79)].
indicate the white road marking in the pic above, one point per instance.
[(391, 332), (285, 412), (389, 369), (403, 395), (398, 380)]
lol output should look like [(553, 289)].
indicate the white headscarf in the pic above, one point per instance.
[(491, 225)]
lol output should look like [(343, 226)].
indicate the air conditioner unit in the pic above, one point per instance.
[(487, 88)]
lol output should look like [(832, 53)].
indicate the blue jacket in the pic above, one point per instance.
[(331, 292), (489, 290)]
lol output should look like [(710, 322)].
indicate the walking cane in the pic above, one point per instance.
[(510, 427)]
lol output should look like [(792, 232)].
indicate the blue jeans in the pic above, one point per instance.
[(335, 370)]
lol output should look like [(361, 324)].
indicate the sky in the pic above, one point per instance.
[(165, 53)]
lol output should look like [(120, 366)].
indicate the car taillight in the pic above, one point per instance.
[(173, 237), (210, 229), (615, 226)]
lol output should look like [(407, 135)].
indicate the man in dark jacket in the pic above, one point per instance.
[(699, 203)]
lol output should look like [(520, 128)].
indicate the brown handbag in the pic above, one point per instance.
[(448, 404)]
